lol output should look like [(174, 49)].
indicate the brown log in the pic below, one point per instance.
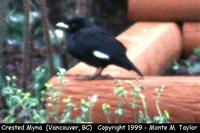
[(181, 96), (191, 37), (164, 10)]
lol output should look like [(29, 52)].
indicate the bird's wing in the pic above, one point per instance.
[(100, 41)]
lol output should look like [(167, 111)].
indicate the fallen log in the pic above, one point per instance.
[(191, 37), (181, 97), (164, 10)]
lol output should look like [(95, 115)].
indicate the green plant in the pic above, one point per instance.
[(162, 117), (139, 116), (120, 94), (40, 77), (21, 106), (55, 96), (175, 65), (197, 51), (24, 107), (189, 66), (15, 23), (106, 111), (86, 107), (67, 114)]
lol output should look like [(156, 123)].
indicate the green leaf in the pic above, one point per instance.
[(7, 91), (120, 92), (194, 69), (30, 103), (134, 105), (9, 119), (197, 51), (119, 111)]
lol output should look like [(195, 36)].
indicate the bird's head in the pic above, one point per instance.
[(73, 24)]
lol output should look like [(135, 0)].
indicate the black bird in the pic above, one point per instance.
[(95, 46)]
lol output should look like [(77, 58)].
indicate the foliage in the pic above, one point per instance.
[(189, 66), (24, 107), (21, 106), (197, 51), (14, 38), (139, 116), (15, 25)]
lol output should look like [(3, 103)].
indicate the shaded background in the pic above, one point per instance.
[(111, 15)]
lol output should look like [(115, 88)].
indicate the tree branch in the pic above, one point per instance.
[(27, 44), (45, 24)]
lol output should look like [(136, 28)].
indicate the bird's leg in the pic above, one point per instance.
[(97, 73), (94, 76)]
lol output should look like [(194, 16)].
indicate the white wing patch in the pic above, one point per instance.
[(101, 55), (62, 25)]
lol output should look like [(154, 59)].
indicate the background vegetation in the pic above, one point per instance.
[(32, 49)]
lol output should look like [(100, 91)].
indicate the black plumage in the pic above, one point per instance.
[(95, 46)]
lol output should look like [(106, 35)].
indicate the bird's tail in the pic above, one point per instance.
[(130, 66)]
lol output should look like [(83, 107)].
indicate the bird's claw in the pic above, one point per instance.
[(101, 77)]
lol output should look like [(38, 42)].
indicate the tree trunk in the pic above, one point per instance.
[(27, 44), (3, 7), (45, 23)]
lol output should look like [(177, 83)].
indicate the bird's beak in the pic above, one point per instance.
[(62, 25)]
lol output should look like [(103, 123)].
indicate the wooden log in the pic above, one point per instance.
[(191, 37), (181, 97), (164, 10)]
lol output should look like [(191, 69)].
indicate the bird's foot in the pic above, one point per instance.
[(103, 77), (100, 77), (140, 78), (85, 78)]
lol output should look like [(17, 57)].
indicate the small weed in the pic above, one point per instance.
[(139, 116)]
